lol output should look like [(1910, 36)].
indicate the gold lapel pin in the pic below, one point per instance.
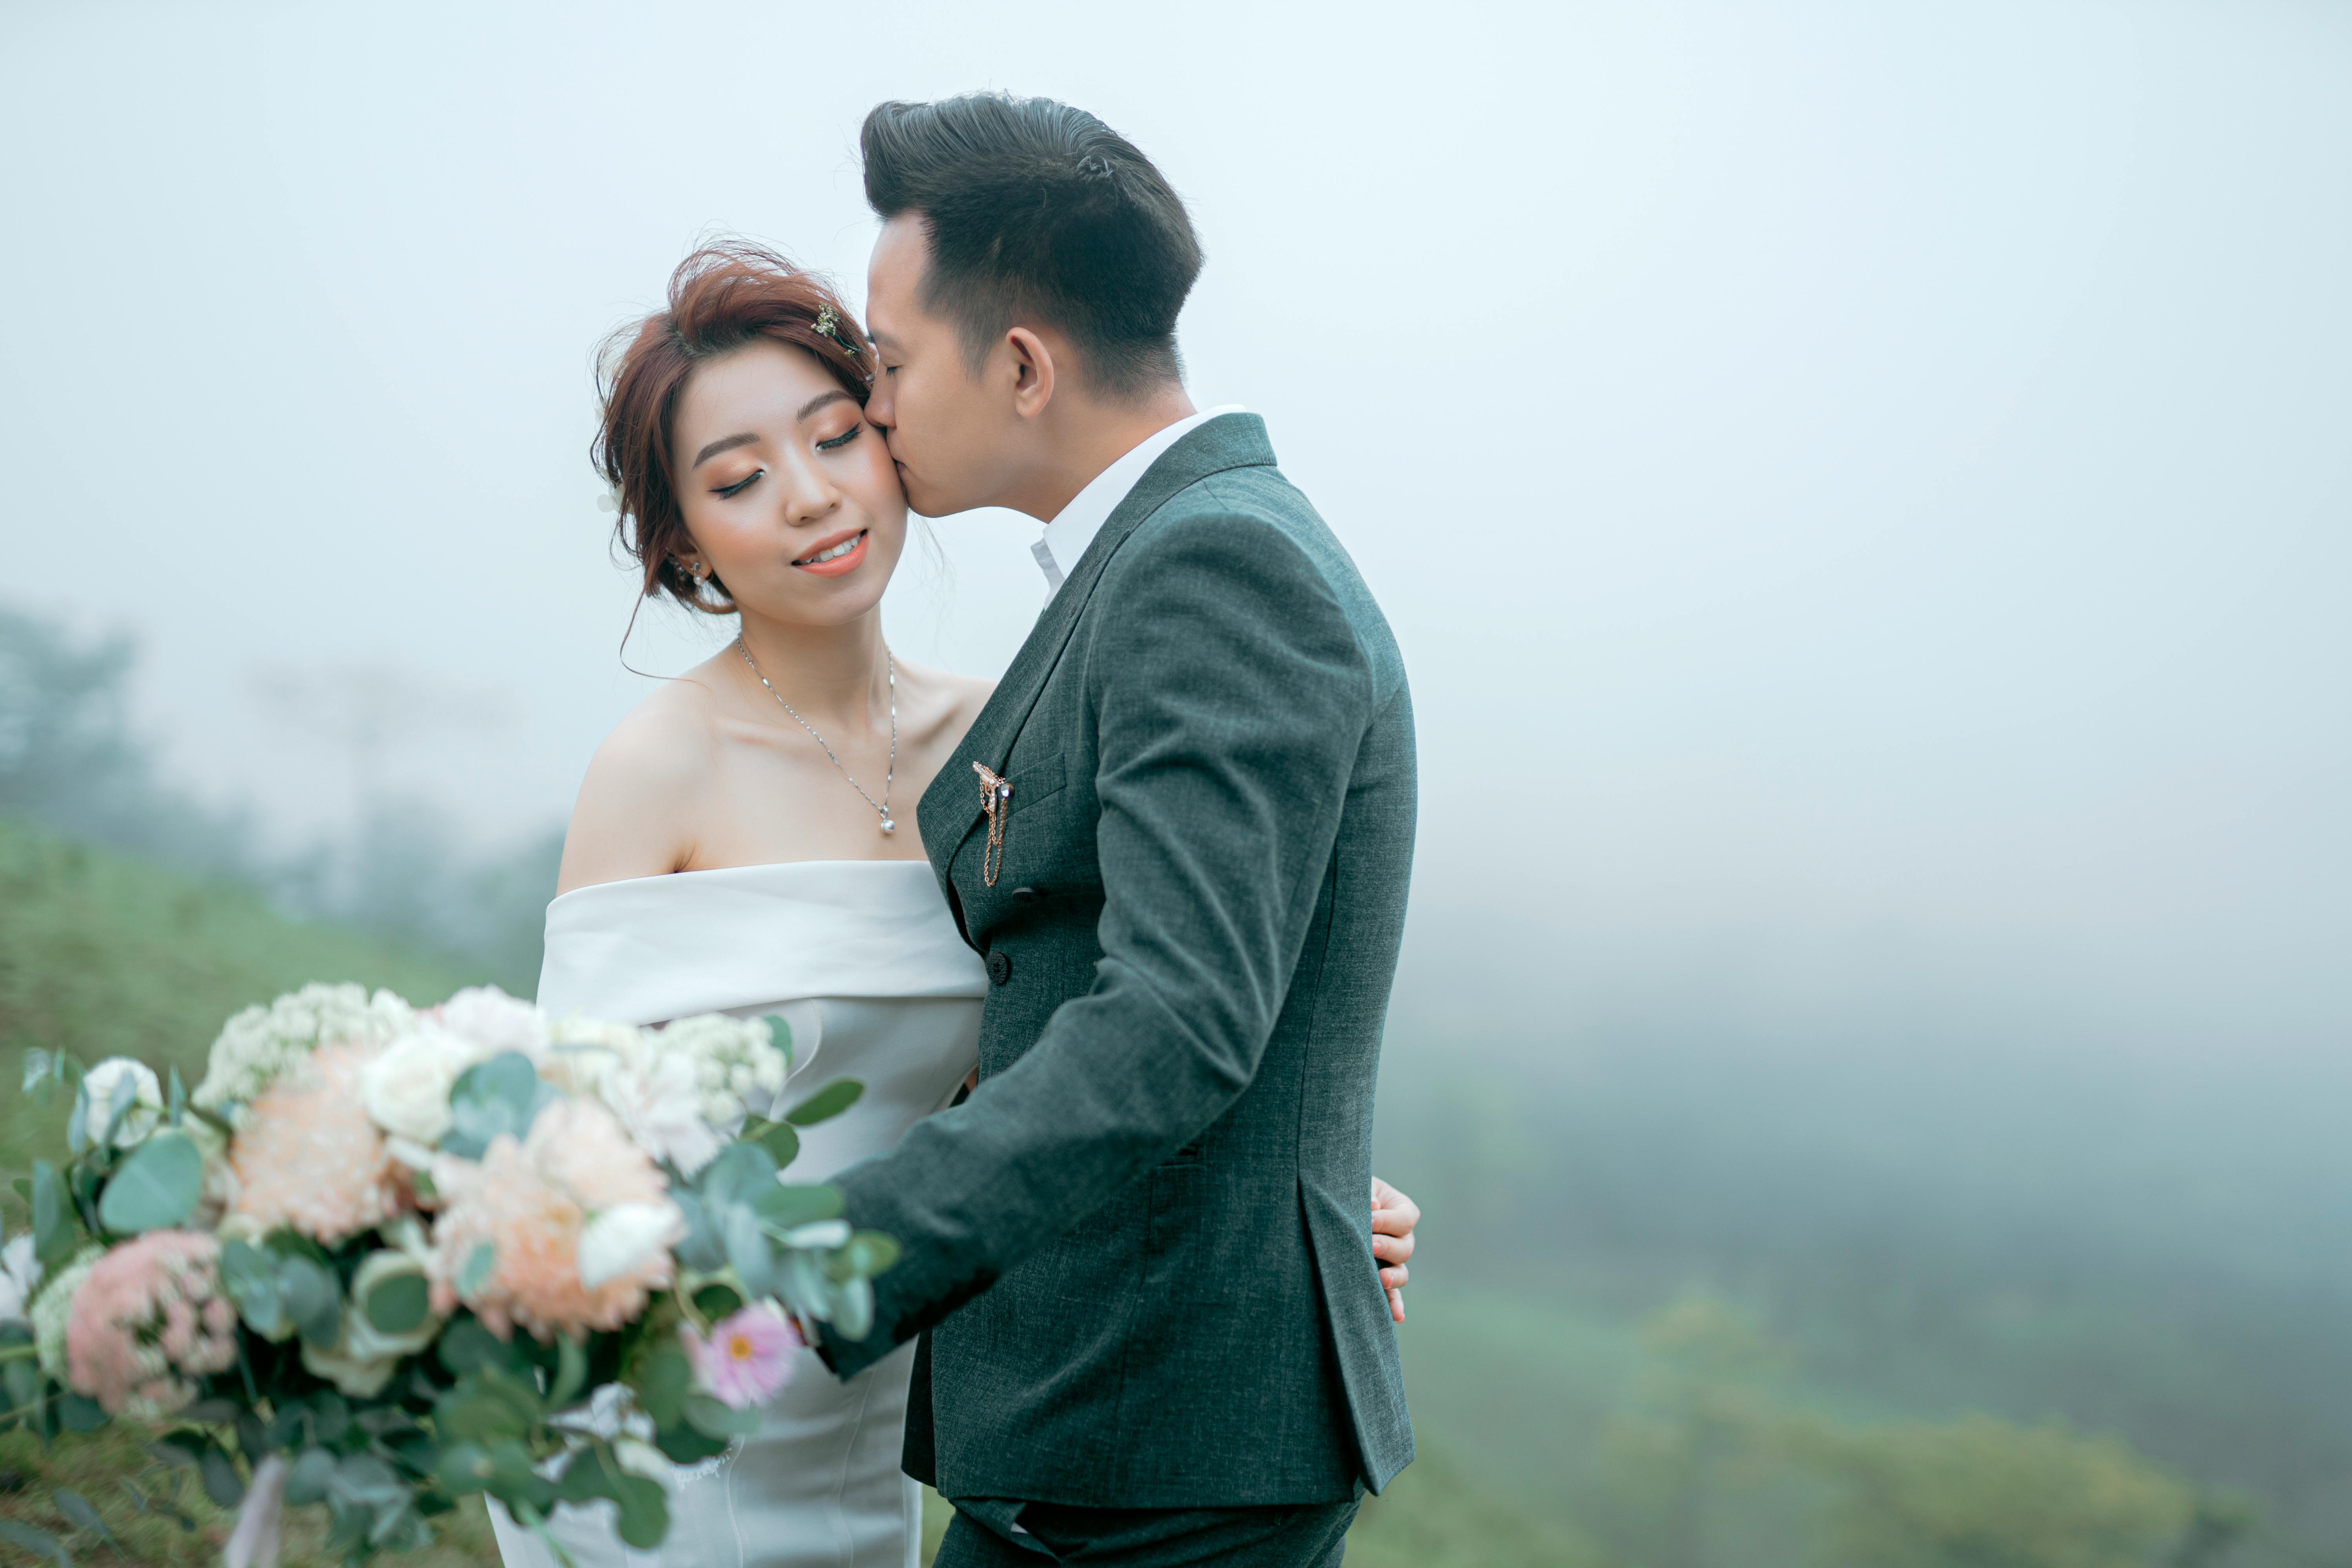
[(995, 798)]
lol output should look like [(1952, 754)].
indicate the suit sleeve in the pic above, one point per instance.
[(1229, 694)]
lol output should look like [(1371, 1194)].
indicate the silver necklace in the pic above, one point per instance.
[(881, 807)]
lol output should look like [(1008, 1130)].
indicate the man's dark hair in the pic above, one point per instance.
[(1039, 210)]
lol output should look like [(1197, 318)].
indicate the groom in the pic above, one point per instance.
[(1180, 835)]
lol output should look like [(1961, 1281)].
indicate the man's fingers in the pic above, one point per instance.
[(1396, 1305), (1392, 1248), (1394, 1278)]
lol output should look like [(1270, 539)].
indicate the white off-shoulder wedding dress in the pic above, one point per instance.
[(862, 958)]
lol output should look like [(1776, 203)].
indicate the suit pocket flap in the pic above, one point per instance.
[(1037, 780)]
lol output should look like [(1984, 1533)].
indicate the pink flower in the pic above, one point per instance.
[(529, 1201), (307, 1156), (147, 1321), (748, 1357)]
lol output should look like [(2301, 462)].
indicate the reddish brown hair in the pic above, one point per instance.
[(721, 297)]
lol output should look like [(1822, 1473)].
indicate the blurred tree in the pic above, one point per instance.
[(1701, 1424), (1981, 1493)]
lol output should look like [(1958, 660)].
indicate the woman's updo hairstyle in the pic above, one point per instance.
[(721, 297)]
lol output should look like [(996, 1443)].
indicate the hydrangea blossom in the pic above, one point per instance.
[(53, 1310), (260, 1044), (737, 1065), (148, 1318)]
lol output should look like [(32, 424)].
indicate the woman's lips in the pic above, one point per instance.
[(848, 561)]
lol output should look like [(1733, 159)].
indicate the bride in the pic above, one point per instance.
[(744, 840)]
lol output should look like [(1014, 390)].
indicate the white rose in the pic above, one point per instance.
[(623, 1237), (20, 1277), (495, 1022), (406, 1088), (103, 1082)]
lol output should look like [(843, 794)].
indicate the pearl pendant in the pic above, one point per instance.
[(888, 825)]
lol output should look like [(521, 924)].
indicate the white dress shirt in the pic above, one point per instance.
[(1074, 526)]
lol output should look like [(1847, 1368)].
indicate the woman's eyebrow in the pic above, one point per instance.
[(725, 444), (819, 401)]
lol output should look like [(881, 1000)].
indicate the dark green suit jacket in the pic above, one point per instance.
[(1150, 1221)]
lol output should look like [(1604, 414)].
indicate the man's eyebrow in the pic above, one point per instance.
[(728, 444), (819, 401)]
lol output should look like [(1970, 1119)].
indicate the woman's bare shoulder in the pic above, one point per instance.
[(637, 804)]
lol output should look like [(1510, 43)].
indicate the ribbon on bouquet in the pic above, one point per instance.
[(254, 1542)]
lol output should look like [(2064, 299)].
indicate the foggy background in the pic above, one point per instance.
[(1865, 492)]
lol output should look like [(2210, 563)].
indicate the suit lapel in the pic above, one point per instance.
[(950, 808)]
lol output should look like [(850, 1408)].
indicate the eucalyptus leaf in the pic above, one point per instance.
[(313, 1301), (853, 1308), (779, 1034), (715, 1418), (210, 1411), (250, 1276), (222, 1483), (782, 1144), (52, 1230), (748, 1251), (700, 1249), (475, 1272), (38, 1064), (644, 1512), (589, 1475), (80, 1413), (77, 1129), (307, 1481), (22, 1381), (662, 1382), (788, 1207), (826, 1103), (738, 1172), (156, 1188), (398, 1304), (76, 1506), (682, 1444), (501, 1096), (865, 1253), (40, 1542), (117, 1106), (571, 1371), (175, 1095), (718, 1300)]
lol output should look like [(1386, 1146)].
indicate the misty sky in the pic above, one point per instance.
[(1866, 484)]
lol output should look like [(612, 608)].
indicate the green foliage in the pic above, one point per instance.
[(1981, 1493)]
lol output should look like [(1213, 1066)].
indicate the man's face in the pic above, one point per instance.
[(953, 434)]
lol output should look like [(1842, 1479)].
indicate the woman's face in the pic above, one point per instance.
[(790, 496)]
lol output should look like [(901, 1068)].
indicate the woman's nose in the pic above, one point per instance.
[(810, 496)]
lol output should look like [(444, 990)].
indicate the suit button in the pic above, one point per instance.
[(1027, 897), (1000, 965)]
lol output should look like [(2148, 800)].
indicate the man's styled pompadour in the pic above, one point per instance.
[(1038, 209)]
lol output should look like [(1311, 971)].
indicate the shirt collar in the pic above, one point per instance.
[(1074, 526)]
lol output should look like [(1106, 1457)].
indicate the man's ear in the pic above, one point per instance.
[(1032, 372)]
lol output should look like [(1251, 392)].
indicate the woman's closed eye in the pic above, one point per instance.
[(727, 492), (843, 439)]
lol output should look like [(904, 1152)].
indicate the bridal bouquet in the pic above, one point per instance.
[(383, 1258)]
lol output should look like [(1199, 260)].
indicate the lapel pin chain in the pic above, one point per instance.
[(995, 801)]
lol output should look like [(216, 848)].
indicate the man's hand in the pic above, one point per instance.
[(1393, 1217)]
